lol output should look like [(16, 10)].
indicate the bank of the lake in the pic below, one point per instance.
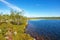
[(45, 18), (12, 26)]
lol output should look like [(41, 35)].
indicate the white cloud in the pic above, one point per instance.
[(11, 6)]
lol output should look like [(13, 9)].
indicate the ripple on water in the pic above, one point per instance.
[(44, 29)]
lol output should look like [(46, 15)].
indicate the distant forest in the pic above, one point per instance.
[(44, 18)]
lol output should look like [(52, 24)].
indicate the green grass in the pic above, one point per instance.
[(13, 23), (4, 27)]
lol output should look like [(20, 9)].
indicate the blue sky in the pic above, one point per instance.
[(34, 8)]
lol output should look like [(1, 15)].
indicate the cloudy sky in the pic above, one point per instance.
[(32, 8)]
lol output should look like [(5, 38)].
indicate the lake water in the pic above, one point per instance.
[(44, 29)]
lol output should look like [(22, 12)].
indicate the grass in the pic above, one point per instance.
[(13, 26), (19, 29)]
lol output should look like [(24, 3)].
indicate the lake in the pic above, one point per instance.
[(44, 29)]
